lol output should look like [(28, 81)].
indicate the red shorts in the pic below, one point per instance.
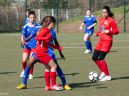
[(25, 50), (44, 58), (104, 46)]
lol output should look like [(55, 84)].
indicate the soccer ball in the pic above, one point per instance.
[(93, 76)]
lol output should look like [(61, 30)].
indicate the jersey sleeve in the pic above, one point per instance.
[(84, 20), (114, 30), (94, 19), (24, 30)]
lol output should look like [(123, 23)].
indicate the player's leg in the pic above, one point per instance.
[(104, 66), (26, 73), (32, 67), (87, 43), (62, 76), (47, 78), (53, 67), (25, 56), (95, 58)]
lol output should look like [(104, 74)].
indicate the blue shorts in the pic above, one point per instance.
[(89, 32)]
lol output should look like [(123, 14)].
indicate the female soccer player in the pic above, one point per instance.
[(28, 44), (43, 42), (89, 22), (108, 28)]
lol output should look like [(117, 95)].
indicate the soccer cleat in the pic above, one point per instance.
[(56, 88), (67, 87), (22, 86), (101, 76), (106, 78), (22, 74), (47, 88), (30, 76), (88, 51)]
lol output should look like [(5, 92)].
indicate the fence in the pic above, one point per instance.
[(12, 14)]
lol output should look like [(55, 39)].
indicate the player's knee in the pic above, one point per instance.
[(94, 58)]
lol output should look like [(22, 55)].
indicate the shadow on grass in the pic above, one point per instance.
[(7, 72), (117, 78), (84, 84), (112, 51), (71, 74)]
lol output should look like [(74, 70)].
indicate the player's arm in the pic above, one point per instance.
[(82, 25), (92, 25), (22, 40), (57, 44), (114, 30), (41, 35)]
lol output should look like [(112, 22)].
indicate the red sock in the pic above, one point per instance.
[(24, 65), (104, 67), (53, 78), (47, 78), (31, 69), (99, 65)]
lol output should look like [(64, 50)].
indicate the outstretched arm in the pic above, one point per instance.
[(81, 27)]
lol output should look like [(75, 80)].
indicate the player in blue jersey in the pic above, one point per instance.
[(28, 41), (89, 22)]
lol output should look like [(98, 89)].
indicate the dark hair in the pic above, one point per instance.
[(47, 20), (109, 11), (31, 13), (88, 9)]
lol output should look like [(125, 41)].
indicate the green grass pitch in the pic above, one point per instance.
[(76, 67)]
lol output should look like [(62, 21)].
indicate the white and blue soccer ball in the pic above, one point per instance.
[(93, 76)]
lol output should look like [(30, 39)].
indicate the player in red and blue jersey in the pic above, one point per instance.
[(108, 28), (28, 41), (41, 54), (89, 22)]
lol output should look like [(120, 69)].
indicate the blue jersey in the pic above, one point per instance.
[(53, 35), (88, 21), (26, 32)]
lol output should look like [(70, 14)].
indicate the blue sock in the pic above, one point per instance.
[(60, 73), (87, 44), (90, 45), (26, 73)]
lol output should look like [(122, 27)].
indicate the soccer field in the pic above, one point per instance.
[(76, 68)]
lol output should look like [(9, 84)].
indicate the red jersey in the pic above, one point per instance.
[(107, 24), (43, 39)]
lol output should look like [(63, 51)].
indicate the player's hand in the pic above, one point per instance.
[(106, 31), (80, 28), (89, 27), (59, 48), (62, 56)]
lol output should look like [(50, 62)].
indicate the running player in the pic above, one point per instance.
[(108, 28), (29, 45), (43, 38), (89, 22)]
